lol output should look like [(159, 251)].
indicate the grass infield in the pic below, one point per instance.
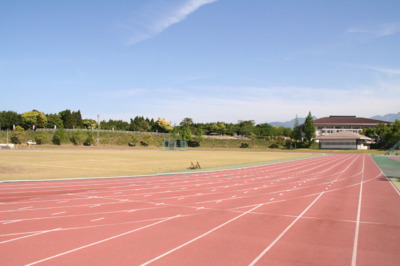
[(40, 164)]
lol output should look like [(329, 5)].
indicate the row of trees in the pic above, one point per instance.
[(385, 135), (73, 119)]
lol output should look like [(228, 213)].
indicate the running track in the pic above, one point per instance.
[(329, 210)]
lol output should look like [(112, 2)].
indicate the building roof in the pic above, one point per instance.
[(346, 120), (345, 135)]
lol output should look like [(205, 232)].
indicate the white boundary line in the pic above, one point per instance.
[(200, 236), (39, 233), (284, 231), (101, 241), (357, 230)]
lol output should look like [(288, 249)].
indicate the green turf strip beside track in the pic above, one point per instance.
[(390, 167)]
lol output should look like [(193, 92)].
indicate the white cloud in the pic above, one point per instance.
[(387, 71), (381, 30), (153, 21)]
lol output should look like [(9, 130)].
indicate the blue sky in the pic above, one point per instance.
[(210, 60)]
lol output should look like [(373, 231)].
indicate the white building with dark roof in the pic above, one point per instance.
[(344, 140), (334, 124)]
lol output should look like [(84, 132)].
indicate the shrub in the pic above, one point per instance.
[(59, 136), (193, 143), (89, 140), (41, 137), (18, 135), (77, 138), (133, 141), (274, 146), (244, 145)]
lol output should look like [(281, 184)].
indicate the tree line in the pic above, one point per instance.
[(68, 119)]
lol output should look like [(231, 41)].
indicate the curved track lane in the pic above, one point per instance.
[(332, 210)]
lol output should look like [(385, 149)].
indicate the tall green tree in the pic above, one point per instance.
[(296, 133), (66, 117), (309, 128), (54, 120), (34, 118), (9, 118)]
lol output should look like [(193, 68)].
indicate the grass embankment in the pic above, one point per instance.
[(80, 163)]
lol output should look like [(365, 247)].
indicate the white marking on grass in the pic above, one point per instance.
[(284, 231), (101, 241)]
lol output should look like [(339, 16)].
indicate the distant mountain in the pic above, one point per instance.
[(388, 117), (289, 124)]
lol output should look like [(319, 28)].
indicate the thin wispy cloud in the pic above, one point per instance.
[(153, 21), (387, 71), (381, 30)]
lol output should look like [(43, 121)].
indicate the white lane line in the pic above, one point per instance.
[(200, 236), (101, 241), (25, 208), (98, 219), (356, 234), (284, 231), (11, 221), (39, 233), (57, 213)]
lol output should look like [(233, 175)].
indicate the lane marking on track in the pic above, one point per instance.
[(57, 213), (35, 234), (284, 231), (25, 208), (357, 231), (101, 241), (200, 236), (98, 219), (11, 221)]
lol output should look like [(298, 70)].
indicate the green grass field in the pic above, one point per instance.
[(90, 162)]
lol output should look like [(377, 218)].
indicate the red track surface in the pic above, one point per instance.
[(331, 210)]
